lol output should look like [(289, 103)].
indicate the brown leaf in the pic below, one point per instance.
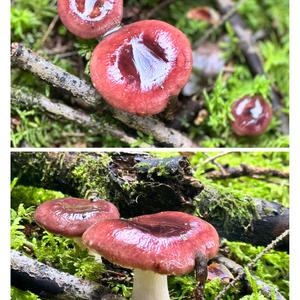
[(216, 270)]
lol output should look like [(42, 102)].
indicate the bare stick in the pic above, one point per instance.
[(21, 97), (213, 158), (30, 274), (251, 264), (87, 97)]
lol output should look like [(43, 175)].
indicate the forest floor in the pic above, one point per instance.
[(266, 178), (203, 115)]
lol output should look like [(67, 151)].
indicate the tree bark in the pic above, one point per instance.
[(140, 184)]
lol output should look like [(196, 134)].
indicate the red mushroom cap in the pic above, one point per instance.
[(252, 116), (90, 18), (138, 68), (72, 216), (165, 243)]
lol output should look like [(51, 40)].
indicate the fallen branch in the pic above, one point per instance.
[(22, 98), (140, 184), (29, 274), (245, 170), (252, 56), (87, 97)]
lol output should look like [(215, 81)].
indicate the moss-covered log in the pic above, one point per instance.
[(29, 274), (140, 184)]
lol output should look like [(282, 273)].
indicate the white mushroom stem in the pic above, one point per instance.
[(148, 285)]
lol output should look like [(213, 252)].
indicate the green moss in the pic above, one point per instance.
[(17, 294), (232, 210), (28, 195), (92, 184)]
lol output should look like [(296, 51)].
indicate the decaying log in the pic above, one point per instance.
[(140, 184), (22, 98), (88, 98), (29, 274)]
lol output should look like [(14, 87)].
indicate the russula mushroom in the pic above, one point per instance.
[(155, 245), (252, 116), (141, 66), (90, 18), (204, 13), (71, 217)]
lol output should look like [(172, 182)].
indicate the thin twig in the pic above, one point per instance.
[(87, 97), (213, 158), (49, 29), (252, 263)]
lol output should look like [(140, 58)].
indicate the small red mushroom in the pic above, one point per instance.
[(140, 67), (252, 116), (72, 216), (154, 245), (90, 18), (204, 13)]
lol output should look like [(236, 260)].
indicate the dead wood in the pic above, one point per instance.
[(45, 281), (97, 125)]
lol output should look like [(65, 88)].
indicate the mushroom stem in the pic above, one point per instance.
[(148, 285)]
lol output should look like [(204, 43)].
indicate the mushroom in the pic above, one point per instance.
[(204, 13), (141, 66), (155, 245), (252, 116), (71, 217), (90, 18)]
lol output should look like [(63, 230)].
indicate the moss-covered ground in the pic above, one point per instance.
[(268, 19), (66, 256)]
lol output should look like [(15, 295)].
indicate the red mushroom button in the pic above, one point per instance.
[(90, 18), (155, 246), (72, 216), (138, 68), (252, 116)]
